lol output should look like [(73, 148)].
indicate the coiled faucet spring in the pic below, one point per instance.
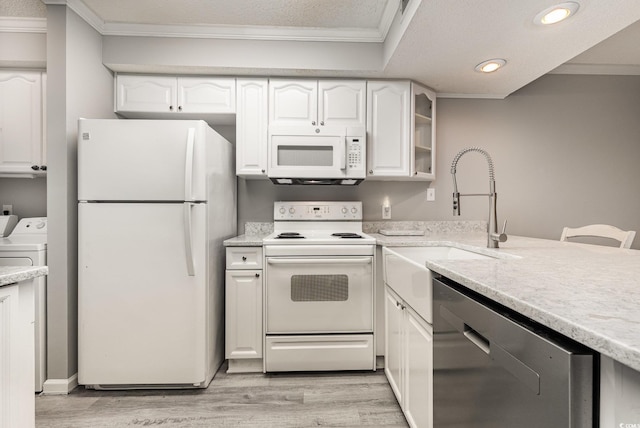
[(493, 237)]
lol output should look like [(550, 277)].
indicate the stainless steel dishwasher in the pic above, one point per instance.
[(494, 368)]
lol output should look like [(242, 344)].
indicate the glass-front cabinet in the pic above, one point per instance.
[(423, 131)]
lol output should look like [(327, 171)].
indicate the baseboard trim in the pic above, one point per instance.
[(60, 386)]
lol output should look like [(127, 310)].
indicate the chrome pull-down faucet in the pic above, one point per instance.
[(493, 237)]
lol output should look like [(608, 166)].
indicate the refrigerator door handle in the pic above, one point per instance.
[(188, 244), (188, 167)]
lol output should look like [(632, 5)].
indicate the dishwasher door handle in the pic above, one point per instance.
[(477, 339)]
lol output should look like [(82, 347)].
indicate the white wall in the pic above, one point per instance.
[(566, 150), (79, 86)]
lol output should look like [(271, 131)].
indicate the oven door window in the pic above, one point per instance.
[(319, 295), (319, 288)]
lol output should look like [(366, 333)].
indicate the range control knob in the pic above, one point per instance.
[(282, 210), (40, 225), (344, 210), (292, 210), (354, 210)]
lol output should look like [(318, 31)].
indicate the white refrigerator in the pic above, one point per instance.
[(155, 201)]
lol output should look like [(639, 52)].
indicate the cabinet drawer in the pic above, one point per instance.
[(244, 257)]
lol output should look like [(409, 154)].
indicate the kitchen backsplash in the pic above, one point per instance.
[(429, 227)]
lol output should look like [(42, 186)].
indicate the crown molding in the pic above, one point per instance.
[(23, 25), (377, 35)]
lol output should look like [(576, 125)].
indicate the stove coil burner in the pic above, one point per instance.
[(289, 235), (346, 235)]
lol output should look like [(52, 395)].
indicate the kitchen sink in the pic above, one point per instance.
[(422, 254), (406, 273)]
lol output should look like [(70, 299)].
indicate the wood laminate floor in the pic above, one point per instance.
[(344, 399)]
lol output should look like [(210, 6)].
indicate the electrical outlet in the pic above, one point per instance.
[(7, 209), (431, 194), (386, 211)]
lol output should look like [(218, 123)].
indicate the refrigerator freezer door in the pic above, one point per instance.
[(141, 316), (141, 160)]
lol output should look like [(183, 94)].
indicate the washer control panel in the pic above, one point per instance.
[(31, 226), (307, 211)]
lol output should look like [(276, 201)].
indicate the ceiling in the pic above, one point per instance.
[(436, 42)]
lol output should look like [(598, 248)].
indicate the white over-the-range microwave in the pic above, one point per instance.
[(317, 155)]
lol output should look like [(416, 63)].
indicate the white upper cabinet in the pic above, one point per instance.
[(342, 103), (206, 95), (151, 94), (22, 142), (170, 97), (317, 102), (400, 131), (388, 129), (251, 128)]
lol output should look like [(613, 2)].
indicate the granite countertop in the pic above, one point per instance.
[(246, 240), (12, 274), (586, 292)]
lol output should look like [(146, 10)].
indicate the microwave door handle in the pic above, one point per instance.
[(343, 155)]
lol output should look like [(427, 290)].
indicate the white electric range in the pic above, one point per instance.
[(319, 290)]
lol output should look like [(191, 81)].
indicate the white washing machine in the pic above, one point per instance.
[(27, 246)]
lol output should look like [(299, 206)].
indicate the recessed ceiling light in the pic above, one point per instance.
[(557, 13), (490, 66)]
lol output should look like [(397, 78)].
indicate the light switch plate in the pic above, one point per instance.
[(431, 194)]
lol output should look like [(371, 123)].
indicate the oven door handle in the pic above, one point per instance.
[(316, 261)]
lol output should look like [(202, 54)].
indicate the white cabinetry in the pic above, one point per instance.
[(317, 103), (243, 309), (22, 142), (401, 131), (17, 350), (251, 127), (409, 360), (170, 97)]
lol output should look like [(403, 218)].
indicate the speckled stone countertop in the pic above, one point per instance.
[(586, 292), (12, 274)]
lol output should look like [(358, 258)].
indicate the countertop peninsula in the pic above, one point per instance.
[(588, 293)]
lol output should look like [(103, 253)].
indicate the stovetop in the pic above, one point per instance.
[(318, 237)]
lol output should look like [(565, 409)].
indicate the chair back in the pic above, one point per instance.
[(625, 237)]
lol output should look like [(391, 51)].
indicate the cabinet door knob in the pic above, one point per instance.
[(244, 259), (35, 167), (322, 123), (313, 122), (257, 275), (263, 171), (179, 108), (43, 167), (170, 108), (370, 171)]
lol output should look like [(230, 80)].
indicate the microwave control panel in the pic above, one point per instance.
[(355, 156)]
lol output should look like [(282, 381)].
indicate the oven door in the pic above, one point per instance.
[(307, 156), (319, 294)]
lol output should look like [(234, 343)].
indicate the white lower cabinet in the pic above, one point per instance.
[(17, 366), (409, 360), (243, 310)]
